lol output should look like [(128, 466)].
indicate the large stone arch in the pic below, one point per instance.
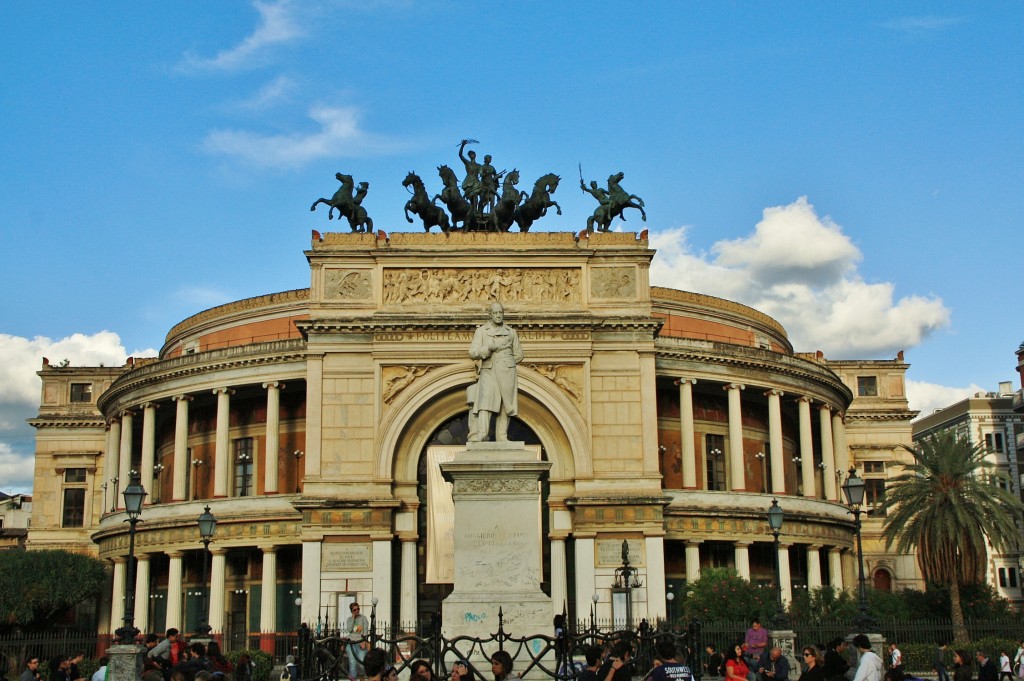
[(407, 425)]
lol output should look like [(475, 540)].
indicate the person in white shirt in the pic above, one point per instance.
[(895, 657), (101, 673), (870, 666), (1005, 671)]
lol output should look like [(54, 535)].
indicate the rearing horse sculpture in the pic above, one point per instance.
[(504, 210), (348, 205), (459, 208), (536, 206), (431, 214)]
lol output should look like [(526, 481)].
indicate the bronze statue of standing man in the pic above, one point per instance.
[(496, 346)]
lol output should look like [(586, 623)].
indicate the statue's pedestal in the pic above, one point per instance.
[(497, 541), (124, 662), (786, 640)]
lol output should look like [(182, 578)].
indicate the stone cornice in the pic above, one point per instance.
[(390, 323), (56, 421), (271, 302), (756, 359), (701, 301), (908, 415), (254, 354)]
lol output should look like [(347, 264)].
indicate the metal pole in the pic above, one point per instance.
[(204, 597), (128, 629), (862, 606), (780, 612)]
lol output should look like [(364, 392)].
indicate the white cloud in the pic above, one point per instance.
[(802, 270), (16, 471), (927, 397), (277, 25), (921, 24), (271, 93), (20, 359), (339, 135)]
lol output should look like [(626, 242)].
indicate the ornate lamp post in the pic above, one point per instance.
[(853, 488), (775, 516), (134, 495), (207, 526)]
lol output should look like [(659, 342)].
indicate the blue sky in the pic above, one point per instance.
[(853, 169)]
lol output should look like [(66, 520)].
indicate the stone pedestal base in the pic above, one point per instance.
[(786, 640), (124, 662), (497, 542)]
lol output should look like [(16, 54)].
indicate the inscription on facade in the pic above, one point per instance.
[(452, 286), (346, 557), (609, 552)]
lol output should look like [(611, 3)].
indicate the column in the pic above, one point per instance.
[(216, 598), (118, 593), (835, 568), (382, 580), (736, 467), (148, 453), (174, 579), (181, 462), (827, 454), (408, 604), (742, 559), (842, 454), (142, 592), (692, 561), (775, 441), (311, 555), (813, 567), (268, 599), (110, 467), (806, 448), (222, 447), (124, 457), (655, 549), (559, 585), (687, 453), (586, 585), (784, 578), (271, 457)]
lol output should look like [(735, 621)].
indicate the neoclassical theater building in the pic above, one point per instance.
[(313, 422)]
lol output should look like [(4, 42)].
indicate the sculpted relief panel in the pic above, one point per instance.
[(567, 377), (347, 284), (452, 286), (613, 282), (395, 379)]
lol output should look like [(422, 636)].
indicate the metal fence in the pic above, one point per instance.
[(16, 646)]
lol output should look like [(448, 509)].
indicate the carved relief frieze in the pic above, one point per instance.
[(347, 284), (395, 379), (490, 485), (613, 282), (568, 377), (453, 286)]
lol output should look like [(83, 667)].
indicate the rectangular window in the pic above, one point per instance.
[(874, 492), (874, 466), (74, 508), (81, 392), (1012, 572), (994, 442), (1002, 577), (867, 386), (74, 475), (714, 460), (243, 466)]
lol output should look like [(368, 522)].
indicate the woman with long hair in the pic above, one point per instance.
[(815, 662), (961, 666), (735, 667), (218, 663), (501, 665)]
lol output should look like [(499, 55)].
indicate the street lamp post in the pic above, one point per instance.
[(207, 526), (775, 516), (670, 597), (134, 495), (853, 488)]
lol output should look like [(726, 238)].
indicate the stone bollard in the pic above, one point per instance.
[(124, 662)]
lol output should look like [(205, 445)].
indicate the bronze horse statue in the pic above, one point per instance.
[(347, 204), (536, 206), (431, 214), (615, 200), (504, 210), (459, 208)]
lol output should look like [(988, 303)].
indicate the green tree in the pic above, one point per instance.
[(944, 506), (39, 586), (722, 595)]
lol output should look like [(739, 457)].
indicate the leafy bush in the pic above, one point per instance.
[(39, 586), (721, 594), (264, 663)]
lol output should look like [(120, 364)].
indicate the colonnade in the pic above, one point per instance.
[(832, 442), (120, 436)]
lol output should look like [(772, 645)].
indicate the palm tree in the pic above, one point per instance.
[(945, 505)]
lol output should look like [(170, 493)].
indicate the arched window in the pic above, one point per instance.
[(883, 580)]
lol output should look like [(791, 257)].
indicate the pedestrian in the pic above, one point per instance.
[(1005, 670), (101, 672), (773, 666), (735, 666), (815, 661), (670, 669), (501, 666), (870, 666), (836, 664), (218, 663), (60, 668), (961, 666), (895, 657), (593, 657), (374, 663), (713, 667), (356, 627), (73, 662), (1018, 659), (939, 662), (31, 672), (420, 670), (987, 670), (756, 641)]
